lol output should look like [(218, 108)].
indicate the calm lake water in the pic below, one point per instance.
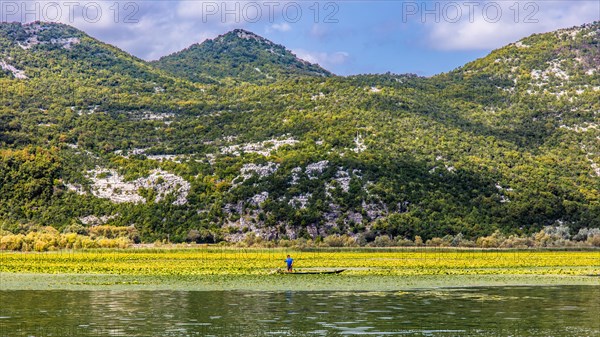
[(519, 311)]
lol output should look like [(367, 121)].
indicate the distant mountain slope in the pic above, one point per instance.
[(58, 82), (535, 86), (561, 63), (241, 55), (54, 67), (38, 48), (89, 135)]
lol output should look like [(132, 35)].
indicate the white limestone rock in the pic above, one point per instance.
[(18, 74), (108, 184)]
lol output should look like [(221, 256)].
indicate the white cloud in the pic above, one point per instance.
[(280, 27), (225, 13), (480, 31), (318, 31), (158, 31), (322, 58)]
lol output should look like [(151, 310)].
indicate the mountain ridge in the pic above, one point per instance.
[(238, 54), (94, 133)]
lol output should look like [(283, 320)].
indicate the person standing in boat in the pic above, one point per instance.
[(290, 264)]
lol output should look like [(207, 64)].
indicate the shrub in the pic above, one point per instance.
[(68, 240), (76, 228), (434, 242), (193, 235), (40, 246), (383, 241), (350, 241), (334, 241), (468, 243), (284, 243), (514, 241), (457, 240), (542, 239), (594, 240), (403, 242), (558, 232), (11, 242), (585, 233), (492, 241), (252, 239)]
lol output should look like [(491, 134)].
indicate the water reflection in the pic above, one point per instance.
[(483, 311)]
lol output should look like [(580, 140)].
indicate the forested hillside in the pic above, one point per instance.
[(91, 135), (239, 55)]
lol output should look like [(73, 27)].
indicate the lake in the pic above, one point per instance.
[(533, 311)]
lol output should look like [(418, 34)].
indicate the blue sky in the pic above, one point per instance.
[(346, 37)]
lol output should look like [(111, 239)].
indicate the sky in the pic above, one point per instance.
[(345, 37)]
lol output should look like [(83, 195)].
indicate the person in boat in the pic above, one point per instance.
[(290, 263)]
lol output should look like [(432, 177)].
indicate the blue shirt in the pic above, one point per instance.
[(289, 261)]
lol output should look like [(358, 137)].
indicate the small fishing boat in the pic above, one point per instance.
[(311, 272)]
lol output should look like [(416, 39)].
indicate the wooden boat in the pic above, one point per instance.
[(311, 272)]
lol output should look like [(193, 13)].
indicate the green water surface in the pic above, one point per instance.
[(492, 311)]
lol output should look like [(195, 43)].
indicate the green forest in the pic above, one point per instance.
[(201, 146)]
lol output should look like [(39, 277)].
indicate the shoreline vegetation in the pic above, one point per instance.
[(207, 268), (41, 239)]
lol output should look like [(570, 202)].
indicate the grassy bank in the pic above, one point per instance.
[(245, 269)]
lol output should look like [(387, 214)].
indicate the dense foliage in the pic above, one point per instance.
[(91, 135), (238, 55)]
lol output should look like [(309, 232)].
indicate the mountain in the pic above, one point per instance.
[(52, 66), (535, 87), (52, 72), (36, 50), (240, 55), (92, 135)]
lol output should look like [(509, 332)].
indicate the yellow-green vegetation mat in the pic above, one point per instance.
[(227, 268), (228, 261)]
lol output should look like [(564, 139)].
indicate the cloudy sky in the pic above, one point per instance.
[(346, 37)]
